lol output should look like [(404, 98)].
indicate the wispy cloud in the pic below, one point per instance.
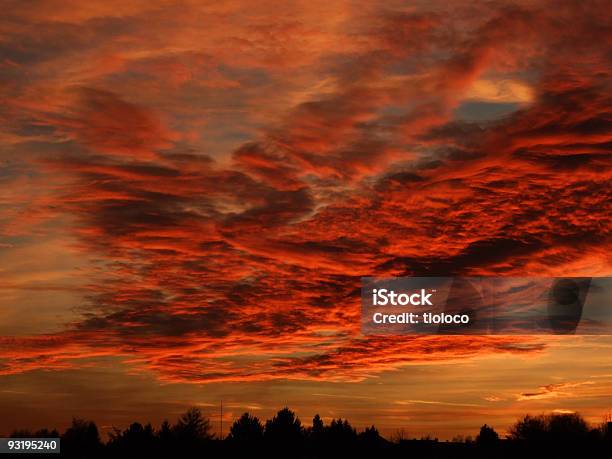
[(558, 390), (433, 402)]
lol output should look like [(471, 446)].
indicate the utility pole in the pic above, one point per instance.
[(221, 421)]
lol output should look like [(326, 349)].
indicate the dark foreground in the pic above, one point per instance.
[(284, 436)]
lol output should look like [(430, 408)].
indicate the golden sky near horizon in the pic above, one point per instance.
[(191, 191)]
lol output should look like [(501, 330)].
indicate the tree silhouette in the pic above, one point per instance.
[(191, 435), (192, 425), (554, 435), (246, 430), (370, 440), (81, 439), (341, 432), (606, 431), (529, 428), (283, 433), (557, 435), (316, 433), (554, 428), (133, 441), (567, 428), (317, 425), (42, 433), (165, 439), (165, 431), (371, 435), (487, 438)]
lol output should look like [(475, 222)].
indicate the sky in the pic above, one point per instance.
[(191, 191)]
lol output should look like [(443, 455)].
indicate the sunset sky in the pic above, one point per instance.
[(191, 191)]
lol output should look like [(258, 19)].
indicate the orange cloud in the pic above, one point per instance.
[(228, 185), (558, 390)]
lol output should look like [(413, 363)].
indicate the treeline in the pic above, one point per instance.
[(555, 435)]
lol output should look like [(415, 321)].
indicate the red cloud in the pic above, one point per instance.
[(245, 264)]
